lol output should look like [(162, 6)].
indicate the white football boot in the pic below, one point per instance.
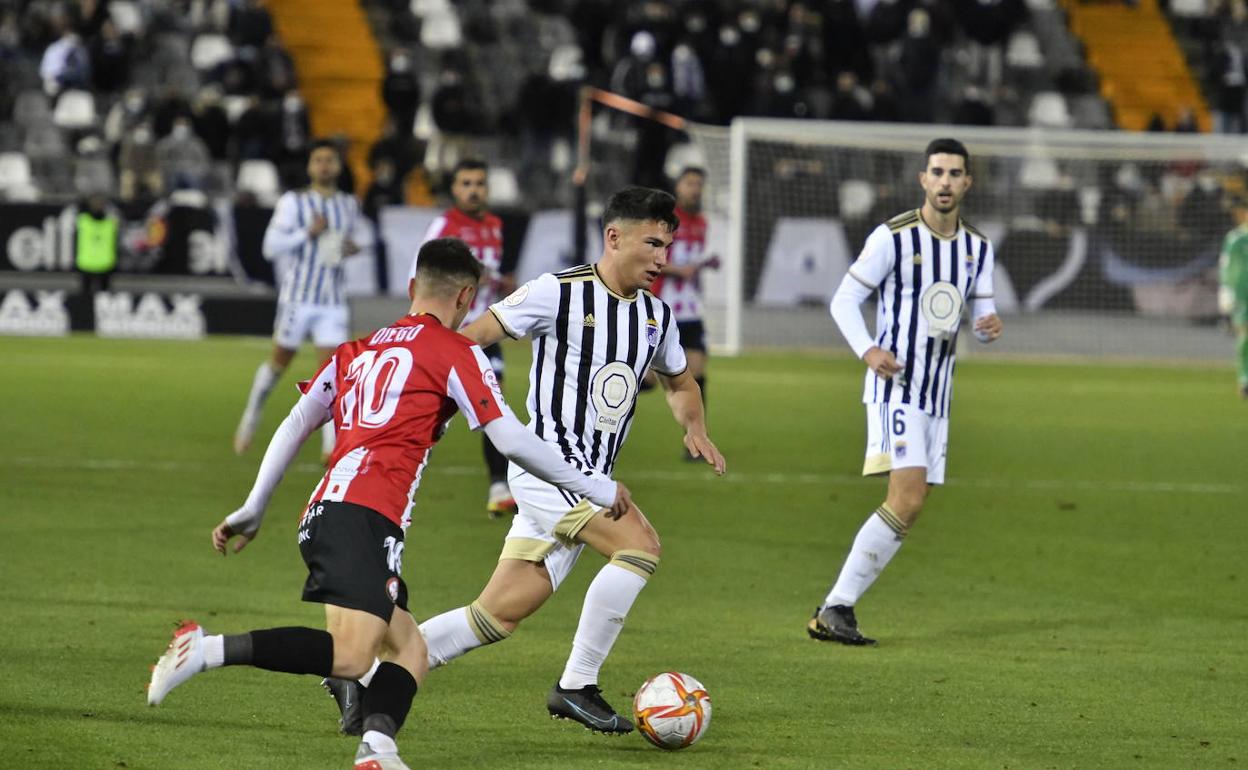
[(183, 658), (367, 758)]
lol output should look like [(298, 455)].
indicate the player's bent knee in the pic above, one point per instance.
[(640, 562), (352, 663)]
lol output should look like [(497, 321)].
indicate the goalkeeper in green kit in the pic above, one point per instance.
[(1233, 297)]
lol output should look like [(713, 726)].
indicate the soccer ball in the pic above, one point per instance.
[(672, 710)]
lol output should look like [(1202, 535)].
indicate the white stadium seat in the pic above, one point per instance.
[(14, 170), (126, 16), (423, 8), (504, 189), (681, 156), (1048, 110), (857, 198), (1023, 51), (210, 50), (74, 110), (441, 31), (259, 177), (1192, 9)]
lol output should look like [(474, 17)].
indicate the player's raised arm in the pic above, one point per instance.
[(310, 412)]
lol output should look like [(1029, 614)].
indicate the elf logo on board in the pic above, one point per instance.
[(46, 316), (119, 314)]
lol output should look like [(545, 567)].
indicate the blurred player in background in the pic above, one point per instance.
[(679, 285), (312, 230), (469, 221), (922, 265), (1233, 296), (390, 396)]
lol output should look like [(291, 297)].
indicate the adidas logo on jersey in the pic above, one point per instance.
[(589, 321)]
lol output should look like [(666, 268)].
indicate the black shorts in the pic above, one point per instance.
[(354, 557), (692, 335), (495, 355)]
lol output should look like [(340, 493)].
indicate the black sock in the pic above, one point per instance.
[(237, 650), (388, 698), (495, 460), (291, 650)]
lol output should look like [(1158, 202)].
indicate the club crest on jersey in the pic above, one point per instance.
[(490, 379), (517, 296), (392, 589), (652, 332)]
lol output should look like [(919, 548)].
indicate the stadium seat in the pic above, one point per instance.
[(208, 51), (125, 14), (422, 8), (1023, 51), (566, 63), (1191, 9), (74, 110), (31, 110), (1039, 174), (441, 31), (259, 177), (48, 143), (14, 170), (504, 189), (1048, 110), (857, 197), (682, 155), (235, 106), (423, 128)]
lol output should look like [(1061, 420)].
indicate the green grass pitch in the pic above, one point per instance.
[(1073, 598)]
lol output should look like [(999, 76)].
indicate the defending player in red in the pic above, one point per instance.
[(390, 396)]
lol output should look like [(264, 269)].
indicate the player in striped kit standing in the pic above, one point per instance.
[(311, 231), (679, 286), (923, 266), (469, 220)]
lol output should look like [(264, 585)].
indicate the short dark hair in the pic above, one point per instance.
[(446, 265), (324, 144), (948, 147), (641, 204), (691, 170), (468, 164)]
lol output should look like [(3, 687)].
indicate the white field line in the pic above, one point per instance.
[(691, 475)]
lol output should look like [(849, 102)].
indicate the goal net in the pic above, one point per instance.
[(1107, 242)]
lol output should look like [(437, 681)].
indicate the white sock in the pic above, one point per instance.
[(261, 385), (876, 544), (327, 438), (368, 676), (607, 602), (214, 651), (380, 742), (449, 635)]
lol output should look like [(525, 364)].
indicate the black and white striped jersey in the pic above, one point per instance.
[(309, 271), (923, 282), (591, 347)]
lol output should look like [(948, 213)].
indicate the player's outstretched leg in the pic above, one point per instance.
[(633, 548), (388, 698), (290, 650)]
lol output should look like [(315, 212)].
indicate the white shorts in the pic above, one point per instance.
[(546, 516), (904, 436), (328, 325)]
